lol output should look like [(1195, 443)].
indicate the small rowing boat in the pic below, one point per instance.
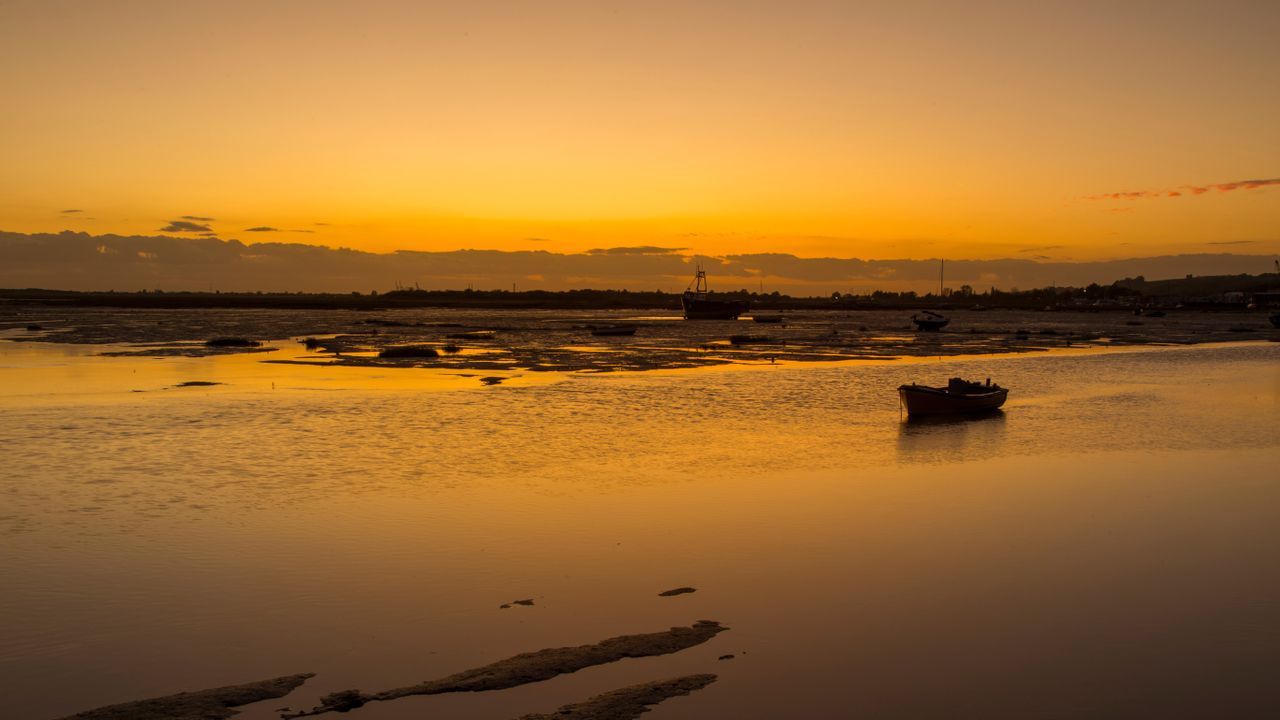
[(613, 330), (957, 398)]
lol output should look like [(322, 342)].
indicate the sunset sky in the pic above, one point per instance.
[(1068, 130)]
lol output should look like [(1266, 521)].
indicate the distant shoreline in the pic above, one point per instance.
[(1040, 299)]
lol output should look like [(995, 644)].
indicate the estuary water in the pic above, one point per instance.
[(1103, 548)]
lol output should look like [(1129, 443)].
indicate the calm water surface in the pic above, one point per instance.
[(1105, 548)]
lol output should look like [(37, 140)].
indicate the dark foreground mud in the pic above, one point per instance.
[(214, 704), (532, 667), (628, 702)]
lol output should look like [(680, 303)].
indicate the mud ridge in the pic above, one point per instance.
[(214, 704), (628, 702), (532, 667)]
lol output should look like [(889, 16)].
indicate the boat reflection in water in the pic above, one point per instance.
[(948, 438)]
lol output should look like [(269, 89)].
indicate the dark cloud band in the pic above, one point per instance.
[(1186, 190), (184, 226)]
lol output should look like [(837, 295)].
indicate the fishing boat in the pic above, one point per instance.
[(929, 321), (613, 329), (699, 305), (959, 397)]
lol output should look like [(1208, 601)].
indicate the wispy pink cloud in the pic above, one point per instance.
[(1186, 189)]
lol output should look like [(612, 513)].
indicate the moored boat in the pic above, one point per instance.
[(930, 321), (613, 329), (699, 305), (957, 398)]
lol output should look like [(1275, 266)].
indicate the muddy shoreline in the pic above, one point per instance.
[(562, 341)]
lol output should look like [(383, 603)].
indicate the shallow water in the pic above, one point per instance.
[(1103, 548)]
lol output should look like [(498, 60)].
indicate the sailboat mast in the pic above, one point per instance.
[(942, 264)]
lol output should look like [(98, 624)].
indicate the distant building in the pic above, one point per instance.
[(1266, 299)]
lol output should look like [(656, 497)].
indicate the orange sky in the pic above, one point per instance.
[(876, 130)]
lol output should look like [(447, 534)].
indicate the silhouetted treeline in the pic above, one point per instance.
[(1228, 288)]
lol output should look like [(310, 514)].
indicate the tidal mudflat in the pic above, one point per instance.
[(1102, 548), (563, 341)]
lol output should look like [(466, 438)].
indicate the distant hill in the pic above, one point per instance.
[(1203, 286)]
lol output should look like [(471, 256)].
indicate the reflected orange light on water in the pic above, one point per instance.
[(1110, 531)]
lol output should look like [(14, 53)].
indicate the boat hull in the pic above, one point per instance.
[(701, 308), (930, 325), (613, 331), (924, 400)]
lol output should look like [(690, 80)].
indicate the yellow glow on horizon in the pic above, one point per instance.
[(821, 131)]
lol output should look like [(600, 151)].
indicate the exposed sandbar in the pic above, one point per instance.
[(562, 342), (532, 667), (628, 702), (214, 704)]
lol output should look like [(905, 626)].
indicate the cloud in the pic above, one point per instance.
[(537, 239), (186, 261), (268, 228), (72, 211), (198, 218), (637, 250), (1131, 195), (1245, 185), (1232, 242), (184, 226), (1041, 248), (1192, 189)]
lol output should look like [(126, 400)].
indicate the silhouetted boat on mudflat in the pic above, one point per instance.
[(699, 305), (767, 318), (930, 321), (613, 330), (957, 398)]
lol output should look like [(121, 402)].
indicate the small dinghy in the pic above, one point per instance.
[(957, 398), (615, 330)]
